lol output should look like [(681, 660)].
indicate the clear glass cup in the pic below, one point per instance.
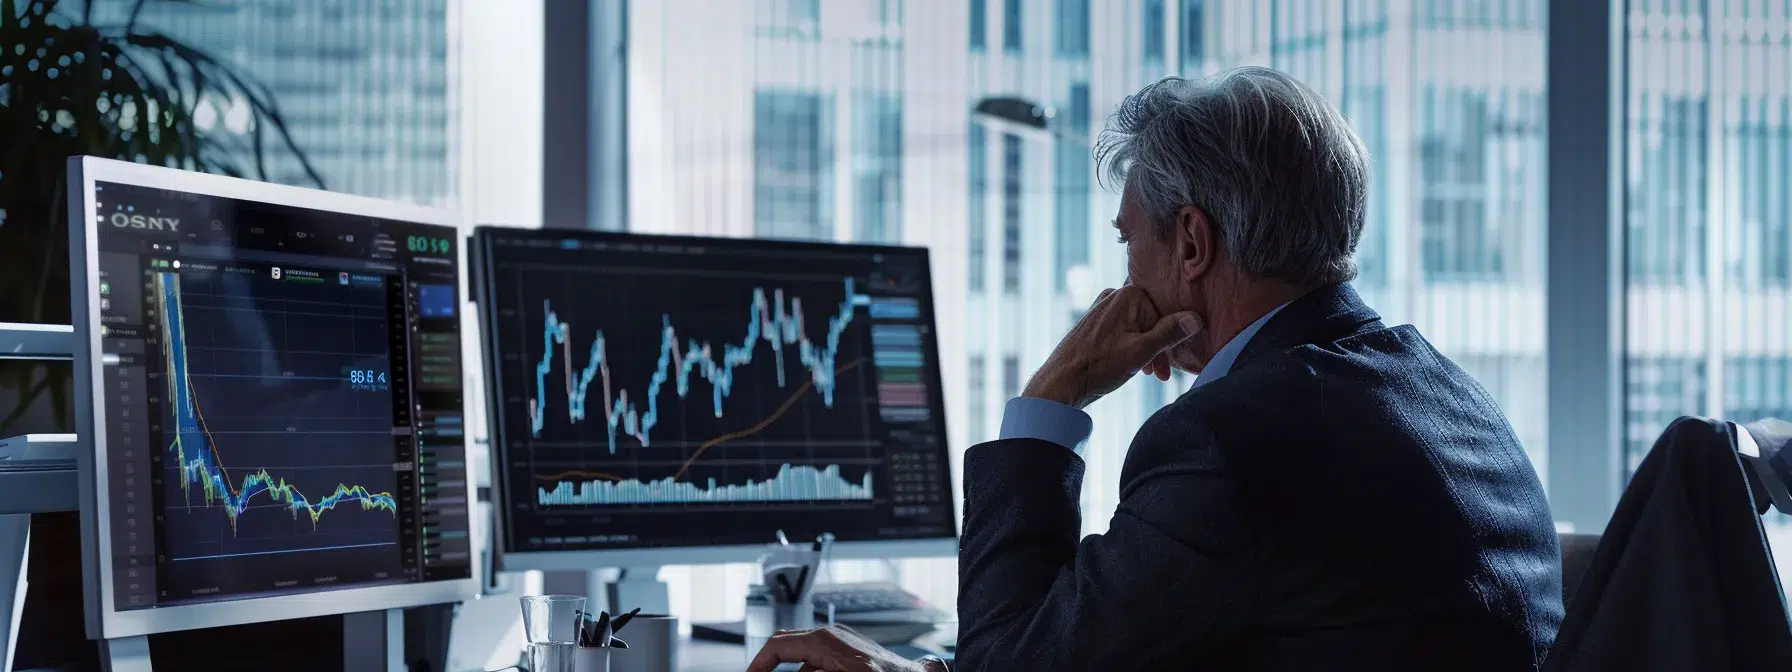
[(550, 627), (555, 657)]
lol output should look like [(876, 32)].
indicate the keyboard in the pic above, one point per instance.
[(861, 598), (882, 612)]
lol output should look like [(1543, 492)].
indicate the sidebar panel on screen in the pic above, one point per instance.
[(441, 468)]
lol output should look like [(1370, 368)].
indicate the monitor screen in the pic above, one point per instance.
[(279, 398), (673, 392)]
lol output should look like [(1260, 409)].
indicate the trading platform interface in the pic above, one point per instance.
[(662, 391), (282, 396)]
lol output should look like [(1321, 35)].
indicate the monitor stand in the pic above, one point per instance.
[(15, 559), (125, 654), (371, 640), (633, 587)]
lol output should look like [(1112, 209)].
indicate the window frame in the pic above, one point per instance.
[(1585, 292)]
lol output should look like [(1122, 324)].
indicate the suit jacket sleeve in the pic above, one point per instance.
[(1171, 571)]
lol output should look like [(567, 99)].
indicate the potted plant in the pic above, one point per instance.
[(69, 87)]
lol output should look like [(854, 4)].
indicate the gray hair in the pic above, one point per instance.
[(1275, 167)]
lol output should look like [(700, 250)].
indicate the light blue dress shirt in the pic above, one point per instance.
[(1046, 420)]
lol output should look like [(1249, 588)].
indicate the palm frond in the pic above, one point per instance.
[(81, 110), (261, 102)]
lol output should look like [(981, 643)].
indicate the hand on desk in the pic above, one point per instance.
[(834, 649)]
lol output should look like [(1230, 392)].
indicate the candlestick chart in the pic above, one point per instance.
[(653, 388)]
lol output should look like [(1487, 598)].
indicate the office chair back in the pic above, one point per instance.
[(1681, 578)]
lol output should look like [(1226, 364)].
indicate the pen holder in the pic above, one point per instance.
[(652, 647), (594, 659), (766, 616), (603, 659)]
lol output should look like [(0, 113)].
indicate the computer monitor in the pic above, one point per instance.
[(671, 400), (268, 381)]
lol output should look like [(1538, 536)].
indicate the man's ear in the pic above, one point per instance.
[(1196, 241)]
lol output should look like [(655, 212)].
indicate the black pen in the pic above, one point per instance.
[(789, 595), (802, 580), (616, 625)]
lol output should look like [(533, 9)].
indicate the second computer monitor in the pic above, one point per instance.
[(651, 393)]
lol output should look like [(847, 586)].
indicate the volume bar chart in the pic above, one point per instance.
[(792, 483)]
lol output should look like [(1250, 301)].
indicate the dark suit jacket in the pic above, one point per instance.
[(1683, 578), (1344, 498)]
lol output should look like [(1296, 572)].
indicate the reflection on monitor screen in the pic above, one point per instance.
[(656, 392), (282, 399)]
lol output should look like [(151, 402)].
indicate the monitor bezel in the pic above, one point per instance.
[(103, 619), (504, 559)]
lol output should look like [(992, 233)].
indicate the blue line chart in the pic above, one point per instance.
[(771, 320), (195, 448)]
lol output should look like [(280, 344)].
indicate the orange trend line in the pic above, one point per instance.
[(580, 473), (755, 429)]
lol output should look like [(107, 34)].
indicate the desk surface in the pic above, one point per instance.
[(695, 655)]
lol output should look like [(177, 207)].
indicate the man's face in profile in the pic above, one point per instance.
[(1155, 264)]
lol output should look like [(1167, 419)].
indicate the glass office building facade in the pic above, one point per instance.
[(1708, 251), (1710, 141), (364, 86)]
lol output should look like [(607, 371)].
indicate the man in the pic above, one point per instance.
[(1332, 494)]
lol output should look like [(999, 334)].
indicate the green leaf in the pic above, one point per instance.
[(115, 63)]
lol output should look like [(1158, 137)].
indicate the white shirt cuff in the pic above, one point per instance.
[(1045, 420)]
